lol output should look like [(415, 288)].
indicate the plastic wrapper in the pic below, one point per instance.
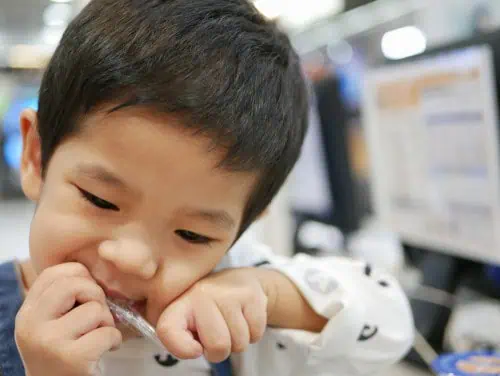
[(135, 321)]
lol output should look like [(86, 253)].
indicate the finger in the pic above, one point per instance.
[(238, 328), (61, 297), (53, 274), (213, 331), (175, 329), (85, 318), (256, 316), (96, 343)]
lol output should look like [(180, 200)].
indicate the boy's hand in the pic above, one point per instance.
[(55, 338), (221, 314)]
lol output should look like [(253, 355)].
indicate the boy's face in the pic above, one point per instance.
[(137, 200)]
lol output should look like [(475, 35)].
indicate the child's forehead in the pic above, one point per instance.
[(109, 124), (157, 140)]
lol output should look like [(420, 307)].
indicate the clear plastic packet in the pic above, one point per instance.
[(135, 321)]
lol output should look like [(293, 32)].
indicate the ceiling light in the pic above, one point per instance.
[(404, 42), (61, 1), (298, 13), (57, 14), (52, 35), (271, 9)]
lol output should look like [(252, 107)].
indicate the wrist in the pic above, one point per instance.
[(286, 306), (268, 279)]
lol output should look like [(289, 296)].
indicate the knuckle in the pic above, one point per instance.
[(219, 346), (257, 333), (48, 271), (239, 347), (20, 320), (163, 330), (110, 336), (256, 337), (78, 268), (262, 298), (257, 298), (22, 334), (69, 283), (115, 335), (73, 268), (100, 292)]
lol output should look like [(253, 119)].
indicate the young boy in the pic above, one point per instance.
[(164, 129)]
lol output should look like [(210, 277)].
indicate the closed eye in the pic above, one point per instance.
[(97, 201), (193, 237)]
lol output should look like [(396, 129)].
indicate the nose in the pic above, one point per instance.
[(130, 256)]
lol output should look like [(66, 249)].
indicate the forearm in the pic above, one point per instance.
[(287, 307)]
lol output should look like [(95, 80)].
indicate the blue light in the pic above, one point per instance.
[(12, 150), (12, 147), (11, 118)]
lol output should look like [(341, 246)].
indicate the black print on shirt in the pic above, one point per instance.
[(368, 272), (280, 346), (383, 283), (261, 263), (368, 333), (166, 361)]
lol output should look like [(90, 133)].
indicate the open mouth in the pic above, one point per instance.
[(138, 306), (124, 302)]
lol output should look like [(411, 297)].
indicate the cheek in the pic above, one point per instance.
[(57, 237)]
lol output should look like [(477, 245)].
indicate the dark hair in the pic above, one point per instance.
[(218, 65)]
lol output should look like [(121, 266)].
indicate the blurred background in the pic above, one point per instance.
[(400, 166)]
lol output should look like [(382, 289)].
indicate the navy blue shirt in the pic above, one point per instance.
[(11, 298)]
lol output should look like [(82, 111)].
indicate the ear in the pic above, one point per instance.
[(31, 158)]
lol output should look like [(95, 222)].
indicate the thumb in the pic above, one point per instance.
[(176, 328)]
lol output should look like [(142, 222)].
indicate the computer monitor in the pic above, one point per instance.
[(432, 132)]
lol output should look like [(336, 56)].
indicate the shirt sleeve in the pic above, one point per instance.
[(370, 323)]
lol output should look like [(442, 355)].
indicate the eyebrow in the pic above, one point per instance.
[(217, 217), (96, 172)]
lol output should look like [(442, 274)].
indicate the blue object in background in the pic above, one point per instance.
[(478, 363), (12, 150), (350, 78), (11, 117), (12, 145), (493, 273)]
